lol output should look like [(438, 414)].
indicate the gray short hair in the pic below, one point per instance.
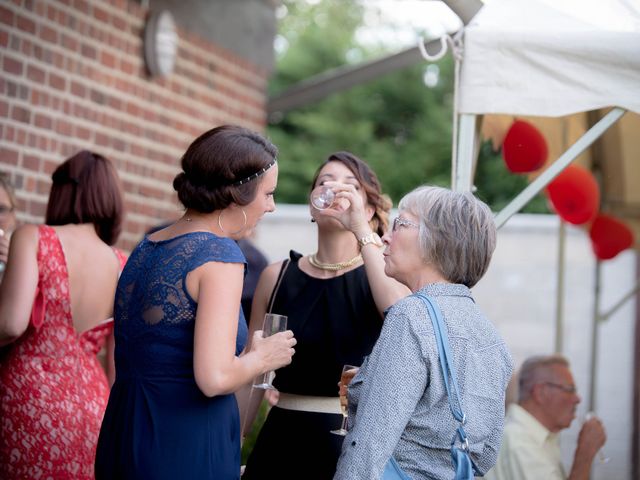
[(535, 370), (457, 232)]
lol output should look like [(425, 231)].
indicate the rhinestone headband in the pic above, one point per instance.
[(255, 175)]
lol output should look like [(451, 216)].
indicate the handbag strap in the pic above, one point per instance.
[(283, 268), (446, 358)]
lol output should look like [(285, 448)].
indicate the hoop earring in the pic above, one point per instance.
[(244, 225)]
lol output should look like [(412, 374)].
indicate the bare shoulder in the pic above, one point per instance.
[(26, 234), (270, 273)]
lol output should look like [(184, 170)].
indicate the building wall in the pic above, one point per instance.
[(73, 77)]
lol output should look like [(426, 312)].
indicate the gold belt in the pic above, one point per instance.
[(307, 403)]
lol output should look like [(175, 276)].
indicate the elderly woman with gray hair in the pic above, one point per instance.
[(440, 246)]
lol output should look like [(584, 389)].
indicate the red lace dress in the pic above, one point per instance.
[(53, 391)]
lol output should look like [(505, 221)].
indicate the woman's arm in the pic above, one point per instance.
[(249, 398), (394, 381), (217, 369), (18, 287), (385, 290)]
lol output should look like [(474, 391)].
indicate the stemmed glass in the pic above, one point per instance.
[(273, 323), (322, 197), (348, 372)]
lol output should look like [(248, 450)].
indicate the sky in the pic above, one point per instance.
[(395, 22)]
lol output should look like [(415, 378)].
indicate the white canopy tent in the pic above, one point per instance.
[(560, 63)]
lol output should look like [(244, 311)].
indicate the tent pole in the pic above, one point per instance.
[(554, 169), (591, 404), (562, 237), (462, 171), (631, 294)]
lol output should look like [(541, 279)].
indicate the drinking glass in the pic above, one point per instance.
[(602, 458), (273, 323), (322, 197), (348, 372)]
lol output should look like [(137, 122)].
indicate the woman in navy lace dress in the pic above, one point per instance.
[(179, 327)]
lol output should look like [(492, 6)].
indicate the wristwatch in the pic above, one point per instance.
[(372, 238)]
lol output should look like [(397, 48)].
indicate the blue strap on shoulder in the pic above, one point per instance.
[(449, 375)]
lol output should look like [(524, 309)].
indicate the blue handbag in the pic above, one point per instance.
[(462, 463)]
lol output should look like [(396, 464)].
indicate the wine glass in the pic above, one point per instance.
[(348, 372), (322, 197), (273, 323)]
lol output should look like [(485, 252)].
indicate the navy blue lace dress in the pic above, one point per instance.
[(158, 424)]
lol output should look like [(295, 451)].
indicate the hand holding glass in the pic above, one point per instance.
[(602, 458), (273, 323), (348, 372), (322, 197)]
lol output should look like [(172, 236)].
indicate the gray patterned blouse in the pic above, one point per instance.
[(398, 402)]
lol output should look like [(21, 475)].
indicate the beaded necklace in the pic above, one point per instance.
[(333, 267)]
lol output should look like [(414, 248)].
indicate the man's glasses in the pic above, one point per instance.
[(403, 222), (565, 388)]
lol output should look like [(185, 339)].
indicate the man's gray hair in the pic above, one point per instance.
[(457, 232), (536, 370)]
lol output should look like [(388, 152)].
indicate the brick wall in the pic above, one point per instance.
[(73, 77)]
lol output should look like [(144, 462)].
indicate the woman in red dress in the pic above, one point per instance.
[(56, 300)]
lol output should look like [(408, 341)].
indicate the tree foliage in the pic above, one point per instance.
[(398, 125)]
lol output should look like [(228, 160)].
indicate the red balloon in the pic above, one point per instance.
[(575, 195), (609, 237), (524, 149)]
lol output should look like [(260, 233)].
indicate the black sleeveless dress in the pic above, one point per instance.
[(335, 322)]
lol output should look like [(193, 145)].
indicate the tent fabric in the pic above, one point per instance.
[(551, 57)]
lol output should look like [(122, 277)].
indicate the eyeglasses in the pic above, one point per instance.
[(565, 388), (402, 222), (5, 209)]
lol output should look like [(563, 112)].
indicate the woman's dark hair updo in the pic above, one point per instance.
[(217, 165)]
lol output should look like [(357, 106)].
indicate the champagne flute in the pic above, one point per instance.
[(348, 372), (273, 323), (322, 197)]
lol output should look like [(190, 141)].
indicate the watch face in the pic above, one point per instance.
[(160, 43)]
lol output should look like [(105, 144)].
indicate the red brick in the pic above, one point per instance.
[(37, 208), (58, 82), (4, 109), (88, 51), (78, 89), (69, 42), (43, 187), (26, 25), (102, 139), (100, 15), (9, 156), (48, 34), (31, 162), (118, 23), (127, 67), (20, 114), (43, 121), (6, 16), (63, 127), (83, 133), (108, 60), (35, 74), (12, 65), (81, 5)]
